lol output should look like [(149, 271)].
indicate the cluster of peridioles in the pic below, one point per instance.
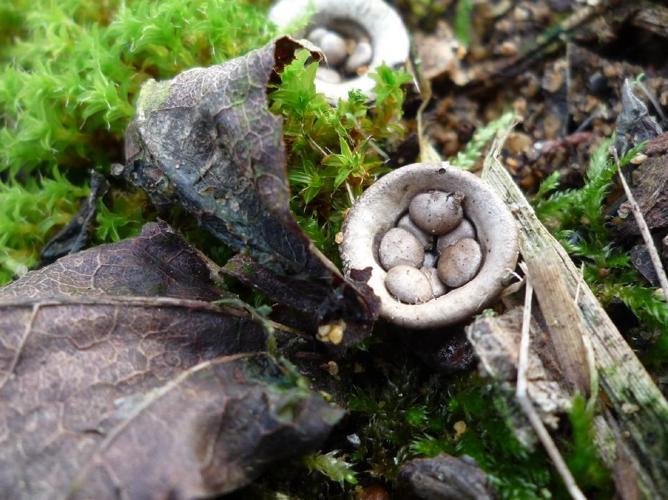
[(431, 249)]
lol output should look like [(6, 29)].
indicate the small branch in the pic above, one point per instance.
[(621, 375), (231, 307), (579, 285), (523, 362), (527, 406), (644, 230)]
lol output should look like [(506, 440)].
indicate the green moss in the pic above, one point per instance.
[(69, 72), (334, 153), (121, 215), (400, 410), (31, 212), (577, 217), (582, 456), (462, 27), (73, 68), (332, 466), (473, 151)]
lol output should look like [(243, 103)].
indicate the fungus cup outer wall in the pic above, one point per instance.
[(379, 209), (387, 34)]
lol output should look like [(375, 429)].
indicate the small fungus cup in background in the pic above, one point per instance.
[(355, 36), (440, 244)]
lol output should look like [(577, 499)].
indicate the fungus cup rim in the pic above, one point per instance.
[(381, 206)]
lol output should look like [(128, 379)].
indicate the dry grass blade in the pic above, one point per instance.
[(637, 407), (527, 406)]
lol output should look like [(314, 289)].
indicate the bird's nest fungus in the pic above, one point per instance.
[(439, 243)]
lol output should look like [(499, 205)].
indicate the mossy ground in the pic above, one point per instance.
[(71, 71)]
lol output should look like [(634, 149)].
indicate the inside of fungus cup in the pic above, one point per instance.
[(349, 28), (379, 209), (353, 33), (382, 230)]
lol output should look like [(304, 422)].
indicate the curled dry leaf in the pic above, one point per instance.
[(207, 141), (76, 235), (119, 378)]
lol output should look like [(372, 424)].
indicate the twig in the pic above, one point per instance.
[(644, 230), (622, 377), (527, 406), (523, 362), (579, 285)]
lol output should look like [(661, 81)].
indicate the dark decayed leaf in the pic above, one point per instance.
[(207, 141), (303, 296), (120, 379), (634, 123), (650, 190), (76, 235)]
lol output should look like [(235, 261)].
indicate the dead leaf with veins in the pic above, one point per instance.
[(120, 378), (206, 141)]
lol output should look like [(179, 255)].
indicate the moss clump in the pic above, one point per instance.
[(399, 410), (69, 72), (577, 217), (334, 153), (29, 211), (582, 455)]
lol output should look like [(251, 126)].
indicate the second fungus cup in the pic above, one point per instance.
[(387, 202), (356, 37)]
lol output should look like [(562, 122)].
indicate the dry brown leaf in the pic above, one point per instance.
[(116, 380), (207, 141)]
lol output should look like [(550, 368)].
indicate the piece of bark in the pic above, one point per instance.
[(637, 405), (443, 477), (496, 341), (561, 315)]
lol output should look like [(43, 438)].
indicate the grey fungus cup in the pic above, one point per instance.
[(355, 36), (460, 237)]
